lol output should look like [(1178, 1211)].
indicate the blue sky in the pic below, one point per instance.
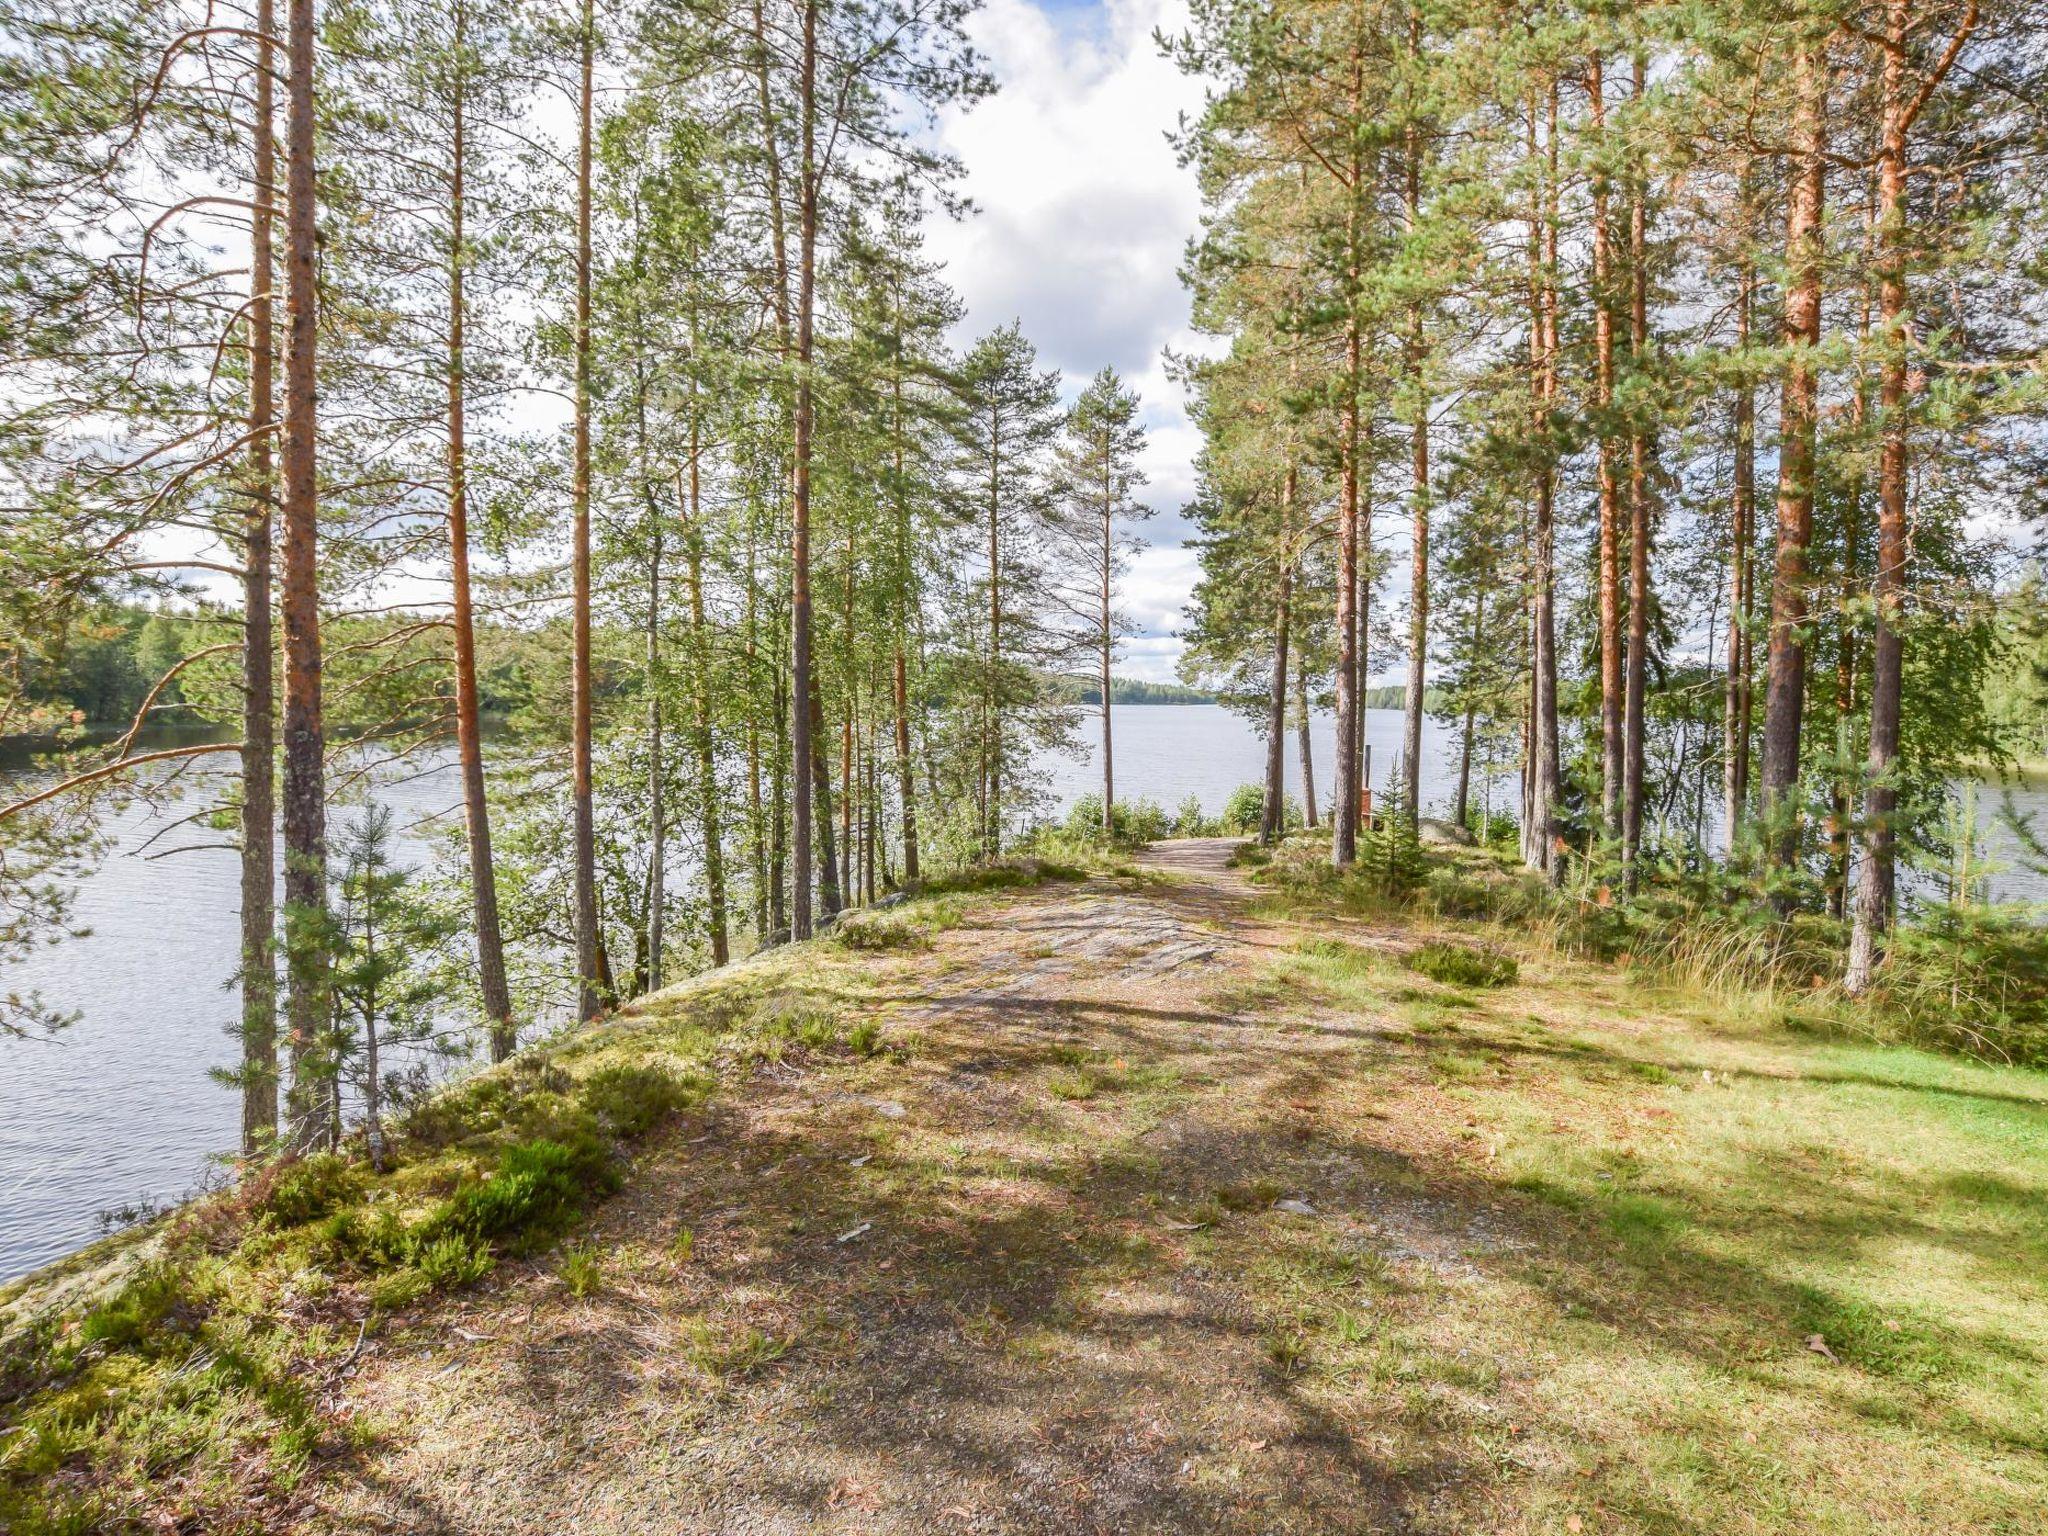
[(1083, 218)]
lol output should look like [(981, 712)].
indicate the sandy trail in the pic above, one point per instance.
[(974, 1291)]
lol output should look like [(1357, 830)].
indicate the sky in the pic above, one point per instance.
[(1083, 217)]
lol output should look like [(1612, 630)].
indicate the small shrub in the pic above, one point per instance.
[(1461, 965), (629, 1101), (308, 1188), (1132, 823), (1191, 820), (1244, 810), (582, 1268), (399, 1289), (141, 1312), (451, 1261), (538, 1188), (722, 1354), (872, 932)]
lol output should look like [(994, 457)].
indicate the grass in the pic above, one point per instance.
[(165, 1389), (1587, 1245), (1462, 965), (1762, 1280)]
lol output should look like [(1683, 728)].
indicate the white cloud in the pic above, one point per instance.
[(1154, 591), (1084, 217)]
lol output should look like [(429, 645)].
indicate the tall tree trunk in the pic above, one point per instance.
[(1610, 481), (992, 826), (906, 785), (829, 897), (583, 832), (1841, 791), (1543, 843), (1108, 639), (849, 785), (1418, 575), (1902, 105), (1418, 623), (259, 683), (1635, 683), (1736, 703), (483, 878), (1273, 820), (790, 723), (708, 809), (1303, 742), (1464, 805), (657, 767), (807, 712), (313, 1090), (1785, 681), (757, 831), (781, 765), (1344, 815)]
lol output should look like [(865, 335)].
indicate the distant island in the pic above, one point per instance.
[(1132, 690)]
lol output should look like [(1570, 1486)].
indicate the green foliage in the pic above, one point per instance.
[(1132, 823), (1461, 965), (1244, 810), (538, 1187), (582, 1268), (143, 1311), (628, 1101), (877, 931), (305, 1189), (1390, 855), (1965, 979)]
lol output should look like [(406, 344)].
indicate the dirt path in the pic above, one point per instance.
[(1038, 1276)]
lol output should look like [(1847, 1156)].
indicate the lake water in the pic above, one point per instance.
[(119, 1109)]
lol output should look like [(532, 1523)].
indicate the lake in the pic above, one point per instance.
[(119, 1109)]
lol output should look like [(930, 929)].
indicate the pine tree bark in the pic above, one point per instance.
[(583, 832), (1344, 816), (656, 924), (1108, 622), (1418, 624), (1637, 664), (1610, 481), (1304, 745), (483, 878), (829, 898), (786, 778), (1736, 699), (1544, 842), (709, 814), (313, 1092), (906, 785), (1418, 575), (1785, 680), (1273, 819), (1904, 99), (807, 715), (992, 826), (259, 683)]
